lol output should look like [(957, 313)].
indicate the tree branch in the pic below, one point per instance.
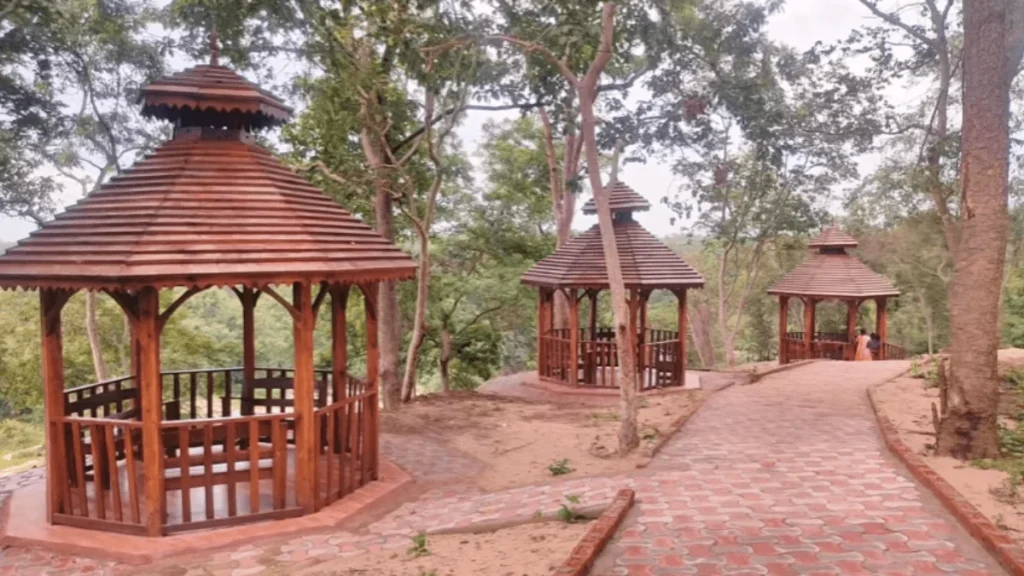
[(897, 22)]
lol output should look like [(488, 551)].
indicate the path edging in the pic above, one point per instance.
[(756, 377), (996, 542), (586, 551)]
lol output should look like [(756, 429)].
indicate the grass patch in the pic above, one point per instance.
[(20, 442)]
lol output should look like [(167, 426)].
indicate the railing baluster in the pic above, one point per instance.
[(280, 461), (115, 479), (208, 467), (83, 497), (96, 442), (254, 466), (332, 455), (229, 460), (176, 383), (185, 471), (193, 391), (227, 391), (209, 394), (129, 458)]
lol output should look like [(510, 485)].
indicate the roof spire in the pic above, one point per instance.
[(214, 48)]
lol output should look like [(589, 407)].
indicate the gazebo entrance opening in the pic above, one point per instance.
[(829, 273), (579, 354)]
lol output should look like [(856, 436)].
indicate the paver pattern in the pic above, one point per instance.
[(787, 476)]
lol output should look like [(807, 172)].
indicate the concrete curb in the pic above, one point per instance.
[(1009, 555), (582, 557)]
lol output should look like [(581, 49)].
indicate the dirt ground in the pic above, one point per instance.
[(907, 402), (534, 549), (519, 440)]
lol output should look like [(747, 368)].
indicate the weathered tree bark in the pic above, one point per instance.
[(701, 327), (92, 329), (446, 359), (968, 430), (563, 201), (629, 437)]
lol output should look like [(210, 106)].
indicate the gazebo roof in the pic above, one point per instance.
[(646, 262), (832, 273), (210, 207), (621, 198)]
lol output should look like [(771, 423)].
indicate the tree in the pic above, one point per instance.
[(993, 41)]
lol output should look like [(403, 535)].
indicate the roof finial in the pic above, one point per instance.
[(214, 48)]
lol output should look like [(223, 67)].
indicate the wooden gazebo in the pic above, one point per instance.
[(158, 452), (830, 273), (587, 356)]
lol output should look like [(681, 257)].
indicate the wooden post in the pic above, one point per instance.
[(339, 342), (809, 305), (681, 294), (540, 332), (880, 325), (51, 303), (151, 394), (248, 298), (641, 364), (853, 306), (634, 313), (783, 329), (593, 314), (572, 296), (305, 437), (372, 377)]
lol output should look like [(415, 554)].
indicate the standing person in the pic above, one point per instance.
[(874, 346), (862, 346)]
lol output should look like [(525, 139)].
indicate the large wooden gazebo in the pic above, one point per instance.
[(830, 273), (157, 452), (587, 356)]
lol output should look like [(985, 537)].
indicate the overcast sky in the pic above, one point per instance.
[(803, 23)]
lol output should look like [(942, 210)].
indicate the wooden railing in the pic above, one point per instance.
[(103, 488), (598, 362), (796, 349), (220, 467), (348, 452)]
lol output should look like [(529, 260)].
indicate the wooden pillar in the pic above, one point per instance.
[(593, 314), (51, 303), (783, 329), (809, 305), (852, 308), (642, 335), (151, 394), (339, 342), (540, 332), (248, 297), (305, 437), (372, 377), (681, 294), (880, 325), (634, 312), (572, 296)]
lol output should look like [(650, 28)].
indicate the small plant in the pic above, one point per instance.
[(425, 572), (1000, 522), (419, 546), (567, 513), (560, 467), (1007, 491), (606, 416)]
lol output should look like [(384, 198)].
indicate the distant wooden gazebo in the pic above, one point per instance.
[(588, 356), (830, 273), (158, 452)]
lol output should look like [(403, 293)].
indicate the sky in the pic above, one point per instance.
[(800, 25)]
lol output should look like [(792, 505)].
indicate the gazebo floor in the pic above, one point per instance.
[(28, 505)]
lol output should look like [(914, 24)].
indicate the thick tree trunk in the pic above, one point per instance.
[(92, 329), (389, 339), (446, 359), (703, 340), (419, 332), (968, 430)]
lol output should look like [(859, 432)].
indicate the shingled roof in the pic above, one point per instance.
[(621, 198), (210, 207), (832, 273), (646, 262)]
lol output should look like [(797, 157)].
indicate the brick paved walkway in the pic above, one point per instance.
[(787, 476)]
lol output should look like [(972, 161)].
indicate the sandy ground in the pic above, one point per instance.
[(517, 440), (907, 403), (534, 549), (754, 367)]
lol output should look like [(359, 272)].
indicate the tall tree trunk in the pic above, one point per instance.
[(419, 331), (703, 340), (629, 437), (92, 329), (968, 430), (563, 202), (446, 358)]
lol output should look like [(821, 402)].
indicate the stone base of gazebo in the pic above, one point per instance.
[(607, 389), (24, 524)]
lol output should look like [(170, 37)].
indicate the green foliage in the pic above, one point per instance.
[(567, 513), (560, 467), (419, 546)]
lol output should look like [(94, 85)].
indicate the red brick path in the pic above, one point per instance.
[(788, 476)]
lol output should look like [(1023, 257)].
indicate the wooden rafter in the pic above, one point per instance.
[(281, 300), (166, 314)]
